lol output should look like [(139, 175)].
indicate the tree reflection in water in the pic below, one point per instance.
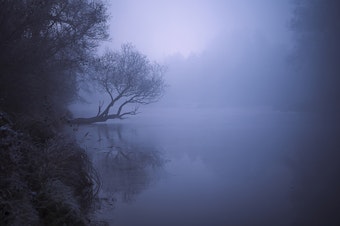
[(125, 165)]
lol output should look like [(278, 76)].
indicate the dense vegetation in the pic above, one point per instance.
[(46, 179), (317, 82), (48, 183), (315, 85)]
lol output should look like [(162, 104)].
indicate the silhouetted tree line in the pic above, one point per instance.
[(43, 46), (317, 53), (316, 187), (45, 178)]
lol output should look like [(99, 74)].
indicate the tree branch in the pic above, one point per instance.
[(100, 105), (113, 101), (134, 112)]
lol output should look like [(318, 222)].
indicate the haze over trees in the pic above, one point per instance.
[(128, 78), (45, 177), (44, 45), (317, 34), (47, 47), (317, 83)]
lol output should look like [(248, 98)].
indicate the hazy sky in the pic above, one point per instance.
[(218, 52), (160, 28)]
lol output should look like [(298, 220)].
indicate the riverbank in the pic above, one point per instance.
[(44, 180)]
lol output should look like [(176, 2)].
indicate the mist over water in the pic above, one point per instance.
[(247, 132), (210, 167), (170, 112)]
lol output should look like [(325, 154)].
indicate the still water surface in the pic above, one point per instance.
[(196, 167)]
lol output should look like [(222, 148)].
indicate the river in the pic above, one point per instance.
[(203, 167)]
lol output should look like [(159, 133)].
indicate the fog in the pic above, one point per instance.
[(231, 53), (247, 131), (187, 27), (247, 73), (169, 112)]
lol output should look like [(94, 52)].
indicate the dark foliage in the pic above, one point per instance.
[(46, 179), (43, 45), (316, 191), (317, 34), (43, 184)]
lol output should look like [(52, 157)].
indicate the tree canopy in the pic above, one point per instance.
[(43, 45), (46, 178), (129, 78), (317, 33)]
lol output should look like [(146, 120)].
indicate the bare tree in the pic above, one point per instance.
[(130, 80)]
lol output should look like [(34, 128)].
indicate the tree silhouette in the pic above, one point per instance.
[(43, 46), (129, 78)]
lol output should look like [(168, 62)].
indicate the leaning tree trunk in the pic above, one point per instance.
[(99, 118), (104, 116)]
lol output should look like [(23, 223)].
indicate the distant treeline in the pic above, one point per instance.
[(317, 53)]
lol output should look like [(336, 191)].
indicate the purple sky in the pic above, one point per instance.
[(160, 28)]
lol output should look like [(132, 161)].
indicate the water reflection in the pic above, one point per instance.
[(253, 169), (125, 164)]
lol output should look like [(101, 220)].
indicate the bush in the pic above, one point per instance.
[(49, 183)]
